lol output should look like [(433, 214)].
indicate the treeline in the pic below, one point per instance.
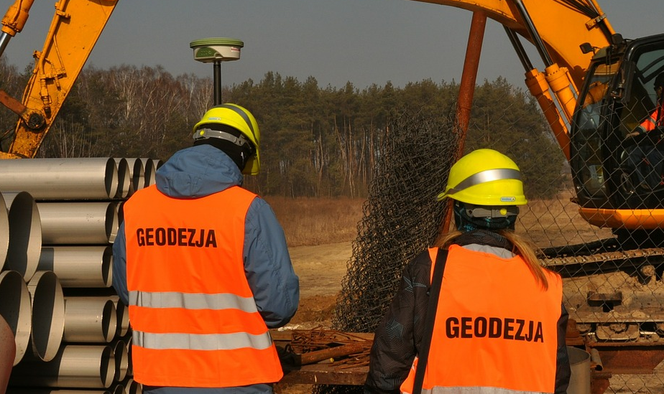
[(315, 141)]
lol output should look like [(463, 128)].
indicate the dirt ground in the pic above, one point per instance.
[(321, 269)]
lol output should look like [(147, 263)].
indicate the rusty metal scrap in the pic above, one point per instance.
[(336, 347)]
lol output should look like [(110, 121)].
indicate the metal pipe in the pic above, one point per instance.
[(466, 93), (216, 71), (89, 320), (75, 366), (137, 175), (4, 232), (469, 76), (79, 266), (123, 316), (534, 34), (25, 236), (121, 312), (133, 387), (519, 49), (16, 309), (61, 179), (14, 21), (78, 223), (596, 359), (130, 367), (150, 167), (4, 41), (124, 178), (579, 361), (48, 314), (121, 357)]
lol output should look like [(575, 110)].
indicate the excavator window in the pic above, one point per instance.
[(642, 158), (590, 119), (614, 166), (649, 62)]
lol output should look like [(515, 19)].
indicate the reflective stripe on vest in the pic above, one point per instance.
[(495, 329), (473, 390), (192, 312), (650, 123), (192, 301), (201, 342)]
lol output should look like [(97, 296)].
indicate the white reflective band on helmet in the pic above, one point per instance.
[(192, 301), (201, 341), (485, 176), (222, 135)]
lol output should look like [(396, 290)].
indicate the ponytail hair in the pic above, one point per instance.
[(521, 247)]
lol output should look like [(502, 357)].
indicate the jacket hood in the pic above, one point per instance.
[(197, 171)]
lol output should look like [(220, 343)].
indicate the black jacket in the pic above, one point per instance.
[(399, 335)]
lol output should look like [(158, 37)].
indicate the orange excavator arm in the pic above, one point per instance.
[(562, 26), (74, 30), (556, 28), (572, 38)]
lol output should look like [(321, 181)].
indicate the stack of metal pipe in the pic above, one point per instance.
[(58, 220)]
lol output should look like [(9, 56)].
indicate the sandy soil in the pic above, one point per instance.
[(321, 269)]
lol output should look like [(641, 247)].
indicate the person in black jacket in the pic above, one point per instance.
[(489, 271)]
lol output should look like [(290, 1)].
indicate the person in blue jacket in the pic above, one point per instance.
[(226, 145)]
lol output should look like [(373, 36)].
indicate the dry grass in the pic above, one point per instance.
[(317, 221), (557, 222)]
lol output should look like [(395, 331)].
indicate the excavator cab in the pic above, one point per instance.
[(619, 173)]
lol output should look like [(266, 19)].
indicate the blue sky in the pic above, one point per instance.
[(335, 41)]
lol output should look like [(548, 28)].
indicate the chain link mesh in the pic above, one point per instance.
[(612, 278), (401, 217)]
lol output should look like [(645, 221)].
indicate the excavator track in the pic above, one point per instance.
[(612, 294)]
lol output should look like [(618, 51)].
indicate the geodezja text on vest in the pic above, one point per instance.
[(494, 327), (160, 236)]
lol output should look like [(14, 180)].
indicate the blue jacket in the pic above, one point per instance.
[(203, 170)]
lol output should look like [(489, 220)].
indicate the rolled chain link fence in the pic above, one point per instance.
[(401, 218), (612, 279)]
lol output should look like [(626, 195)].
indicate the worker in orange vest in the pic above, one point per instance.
[(476, 313), (645, 160), (203, 266), (656, 117)]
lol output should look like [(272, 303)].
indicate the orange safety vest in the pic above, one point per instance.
[(193, 315), (650, 123), (495, 327)]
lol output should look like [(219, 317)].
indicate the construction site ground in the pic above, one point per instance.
[(321, 269)]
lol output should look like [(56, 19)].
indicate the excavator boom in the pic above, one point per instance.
[(567, 34), (562, 25), (75, 28), (555, 27), (573, 39)]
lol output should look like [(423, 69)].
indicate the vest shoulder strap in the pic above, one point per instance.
[(432, 306)]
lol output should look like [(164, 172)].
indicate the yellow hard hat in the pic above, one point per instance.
[(238, 118), (485, 177)]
